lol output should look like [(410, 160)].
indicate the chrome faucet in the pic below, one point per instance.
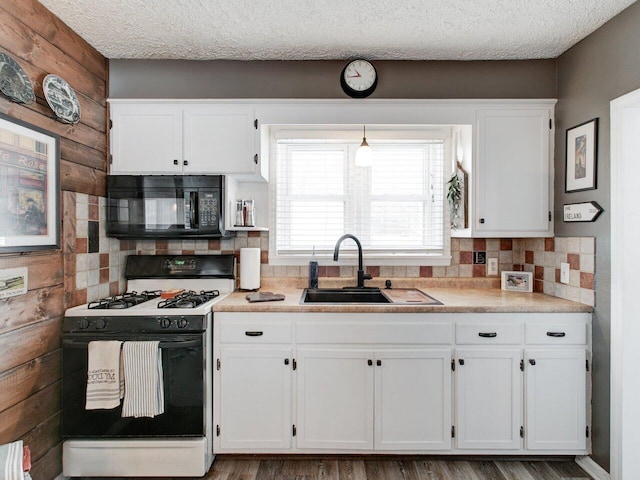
[(361, 275)]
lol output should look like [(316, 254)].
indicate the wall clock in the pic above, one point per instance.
[(359, 78)]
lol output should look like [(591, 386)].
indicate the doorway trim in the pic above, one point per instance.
[(625, 310)]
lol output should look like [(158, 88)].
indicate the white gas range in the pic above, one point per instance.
[(179, 441)]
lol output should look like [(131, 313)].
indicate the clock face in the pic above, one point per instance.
[(359, 79)]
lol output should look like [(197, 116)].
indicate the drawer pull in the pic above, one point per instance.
[(556, 334), (253, 334), (487, 334), (532, 361)]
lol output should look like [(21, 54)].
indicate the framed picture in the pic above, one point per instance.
[(29, 187), (581, 157), (517, 281)]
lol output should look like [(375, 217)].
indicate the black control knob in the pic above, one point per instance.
[(182, 322), (165, 322), (84, 323), (101, 324)]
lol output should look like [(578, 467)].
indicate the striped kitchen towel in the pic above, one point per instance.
[(11, 461), (103, 375), (143, 388)]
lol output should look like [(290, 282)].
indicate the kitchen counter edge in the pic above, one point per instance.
[(466, 300)]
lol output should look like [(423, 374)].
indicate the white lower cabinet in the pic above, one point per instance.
[(488, 399), (413, 399), (414, 383), (384, 399), (334, 399), (556, 399), (255, 398)]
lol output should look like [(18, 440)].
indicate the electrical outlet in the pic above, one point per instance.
[(492, 266), (564, 272)]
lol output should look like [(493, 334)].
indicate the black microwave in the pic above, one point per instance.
[(165, 206)]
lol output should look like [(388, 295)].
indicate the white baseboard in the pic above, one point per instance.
[(592, 468)]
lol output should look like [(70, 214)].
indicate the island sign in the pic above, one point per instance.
[(582, 212)]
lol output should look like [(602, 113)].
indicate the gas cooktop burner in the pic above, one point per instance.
[(189, 299), (126, 300)]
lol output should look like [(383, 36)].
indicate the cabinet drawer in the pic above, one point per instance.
[(488, 333), (397, 332), (255, 332), (556, 333)]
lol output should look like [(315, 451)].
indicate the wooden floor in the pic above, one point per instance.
[(391, 468)]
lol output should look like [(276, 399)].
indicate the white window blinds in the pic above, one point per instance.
[(395, 207)]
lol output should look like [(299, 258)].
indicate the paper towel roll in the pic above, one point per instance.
[(249, 268)]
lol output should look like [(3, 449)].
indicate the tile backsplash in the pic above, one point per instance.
[(94, 263)]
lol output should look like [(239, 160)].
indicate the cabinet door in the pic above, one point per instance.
[(514, 181), (146, 139), (219, 139), (335, 399), (488, 399), (413, 399), (556, 403), (255, 393)]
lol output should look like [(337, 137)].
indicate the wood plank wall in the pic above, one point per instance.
[(30, 355)]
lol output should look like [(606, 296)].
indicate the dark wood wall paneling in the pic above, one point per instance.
[(30, 355)]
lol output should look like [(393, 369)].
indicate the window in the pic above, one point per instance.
[(396, 207)]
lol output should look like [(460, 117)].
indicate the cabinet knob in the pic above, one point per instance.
[(369, 362), (286, 361), (461, 361), (532, 361), (378, 362), (175, 161), (185, 162), (482, 220)]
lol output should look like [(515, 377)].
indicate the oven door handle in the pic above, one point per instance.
[(70, 343)]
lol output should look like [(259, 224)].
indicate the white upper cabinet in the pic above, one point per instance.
[(514, 180), (173, 138), (146, 139)]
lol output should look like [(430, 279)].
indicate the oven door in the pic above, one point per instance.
[(184, 380)]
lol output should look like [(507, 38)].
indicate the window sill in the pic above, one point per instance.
[(368, 260)]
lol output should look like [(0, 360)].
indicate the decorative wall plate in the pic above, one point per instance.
[(14, 82), (61, 98)]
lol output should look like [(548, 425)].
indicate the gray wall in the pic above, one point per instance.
[(320, 79), (600, 68)]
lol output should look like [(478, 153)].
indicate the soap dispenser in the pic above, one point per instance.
[(313, 270)]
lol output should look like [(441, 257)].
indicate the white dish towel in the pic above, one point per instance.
[(11, 461), (103, 375), (144, 392)]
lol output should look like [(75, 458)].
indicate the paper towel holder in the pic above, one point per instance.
[(249, 269)]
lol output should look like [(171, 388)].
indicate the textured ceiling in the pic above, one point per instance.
[(334, 29)]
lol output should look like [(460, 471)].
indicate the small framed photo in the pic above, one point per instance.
[(517, 281), (581, 157)]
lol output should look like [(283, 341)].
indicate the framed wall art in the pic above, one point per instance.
[(517, 281), (29, 187), (581, 157)]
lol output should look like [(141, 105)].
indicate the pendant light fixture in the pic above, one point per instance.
[(364, 154)]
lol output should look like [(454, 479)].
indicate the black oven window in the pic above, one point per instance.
[(183, 379)]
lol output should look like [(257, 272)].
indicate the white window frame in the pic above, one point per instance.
[(348, 256)]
